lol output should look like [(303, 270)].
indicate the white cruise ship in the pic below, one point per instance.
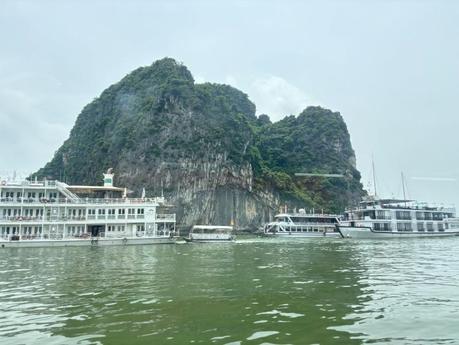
[(391, 218), (303, 224), (52, 213)]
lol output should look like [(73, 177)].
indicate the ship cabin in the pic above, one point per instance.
[(400, 215), (55, 210)]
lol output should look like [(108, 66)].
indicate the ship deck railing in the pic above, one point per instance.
[(160, 218), (304, 224), (82, 201), (165, 217)]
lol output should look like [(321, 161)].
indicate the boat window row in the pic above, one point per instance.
[(112, 228), (27, 232), (319, 220), (403, 215), (409, 226), (382, 227), (116, 213), (75, 213), (27, 196), (307, 229)]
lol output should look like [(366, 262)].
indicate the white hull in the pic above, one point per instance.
[(210, 238), (211, 241), (305, 235), (362, 232), (86, 242)]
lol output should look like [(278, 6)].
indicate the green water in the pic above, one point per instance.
[(323, 291)]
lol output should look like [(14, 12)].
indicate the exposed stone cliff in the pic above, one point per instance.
[(203, 145)]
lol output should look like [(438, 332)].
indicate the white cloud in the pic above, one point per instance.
[(231, 80), (199, 79), (276, 97)]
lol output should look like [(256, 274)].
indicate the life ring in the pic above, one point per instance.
[(3, 183), (124, 240)]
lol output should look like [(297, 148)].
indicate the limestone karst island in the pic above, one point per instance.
[(205, 150)]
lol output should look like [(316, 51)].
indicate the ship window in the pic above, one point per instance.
[(440, 226), (121, 211), (370, 214), (404, 227), (420, 227), (430, 227), (428, 216), (382, 226), (437, 216), (420, 215), (382, 215), (404, 215)]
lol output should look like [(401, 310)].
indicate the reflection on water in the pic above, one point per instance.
[(324, 291)]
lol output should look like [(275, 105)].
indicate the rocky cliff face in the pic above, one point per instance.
[(203, 145)]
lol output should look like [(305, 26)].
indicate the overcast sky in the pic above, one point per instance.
[(390, 67)]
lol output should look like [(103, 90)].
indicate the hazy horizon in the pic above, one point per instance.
[(390, 68)]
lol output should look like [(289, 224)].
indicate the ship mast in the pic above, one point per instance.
[(374, 177), (403, 187)]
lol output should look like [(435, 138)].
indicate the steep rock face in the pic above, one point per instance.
[(204, 147)]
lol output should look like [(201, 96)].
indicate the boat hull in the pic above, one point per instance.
[(86, 242), (366, 232), (209, 239), (305, 235)]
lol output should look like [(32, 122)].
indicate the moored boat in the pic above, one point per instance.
[(303, 225), (392, 218), (211, 233), (52, 213)]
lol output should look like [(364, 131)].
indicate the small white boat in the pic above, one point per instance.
[(302, 225), (211, 233)]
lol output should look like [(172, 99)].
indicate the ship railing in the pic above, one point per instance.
[(302, 223), (83, 201), (21, 218), (166, 217)]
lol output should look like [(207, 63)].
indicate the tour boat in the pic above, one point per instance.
[(392, 218), (303, 224), (211, 233), (52, 213)]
